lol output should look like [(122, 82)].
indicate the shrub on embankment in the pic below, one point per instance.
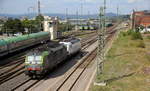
[(134, 35)]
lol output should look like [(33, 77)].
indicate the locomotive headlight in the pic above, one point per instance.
[(30, 58), (38, 58)]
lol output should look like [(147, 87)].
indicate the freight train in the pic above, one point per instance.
[(41, 60), (13, 44)]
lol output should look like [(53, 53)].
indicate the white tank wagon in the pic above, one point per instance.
[(73, 45)]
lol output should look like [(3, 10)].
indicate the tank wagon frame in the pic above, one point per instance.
[(13, 44)]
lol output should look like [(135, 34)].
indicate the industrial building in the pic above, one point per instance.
[(141, 18)]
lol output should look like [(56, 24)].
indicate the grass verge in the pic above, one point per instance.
[(127, 66)]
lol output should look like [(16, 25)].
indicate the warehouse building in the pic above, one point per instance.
[(141, 18)]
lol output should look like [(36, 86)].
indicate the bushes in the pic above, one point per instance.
[(123, 34), (129, 32), (126, 33), (134, 34)]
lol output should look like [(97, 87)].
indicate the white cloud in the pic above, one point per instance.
[(134, 1), (88, 1)]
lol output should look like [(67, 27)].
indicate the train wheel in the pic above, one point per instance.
[(33, 77), (81, 54), (39, 77)]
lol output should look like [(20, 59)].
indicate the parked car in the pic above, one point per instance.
[(145, 30)]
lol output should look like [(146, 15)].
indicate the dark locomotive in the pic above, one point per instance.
[(43, 59)]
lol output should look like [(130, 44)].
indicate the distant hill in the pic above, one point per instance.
[(62, 16)]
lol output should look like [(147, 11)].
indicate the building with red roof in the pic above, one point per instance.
[(141, 18)]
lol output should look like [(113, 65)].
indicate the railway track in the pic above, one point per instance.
[(18, 70), (10, 70), (6, 62), (21, 60), (11, 75), (3, 65), (11, 65), (70, 79), (77, 34), (27, 84), (11, 60)]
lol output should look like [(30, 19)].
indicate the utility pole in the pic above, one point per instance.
[(100, 42), (81, 16), (88, 22), (66, 13), (39, 14), (67, 26), (133, 19), (77, 16), (101, 39), (39, 7), (117, 13), (82, 2), (88, 14), (81, 13)]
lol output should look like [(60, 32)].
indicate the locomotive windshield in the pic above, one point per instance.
[(35, 56), (33, 59)]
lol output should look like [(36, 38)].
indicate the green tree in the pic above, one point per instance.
[(12, 26), (62, 27), (65, 27), (26, 23), (18, 26), (39, 20), (31, 25)]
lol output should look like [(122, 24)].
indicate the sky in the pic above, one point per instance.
[(59, 6)]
